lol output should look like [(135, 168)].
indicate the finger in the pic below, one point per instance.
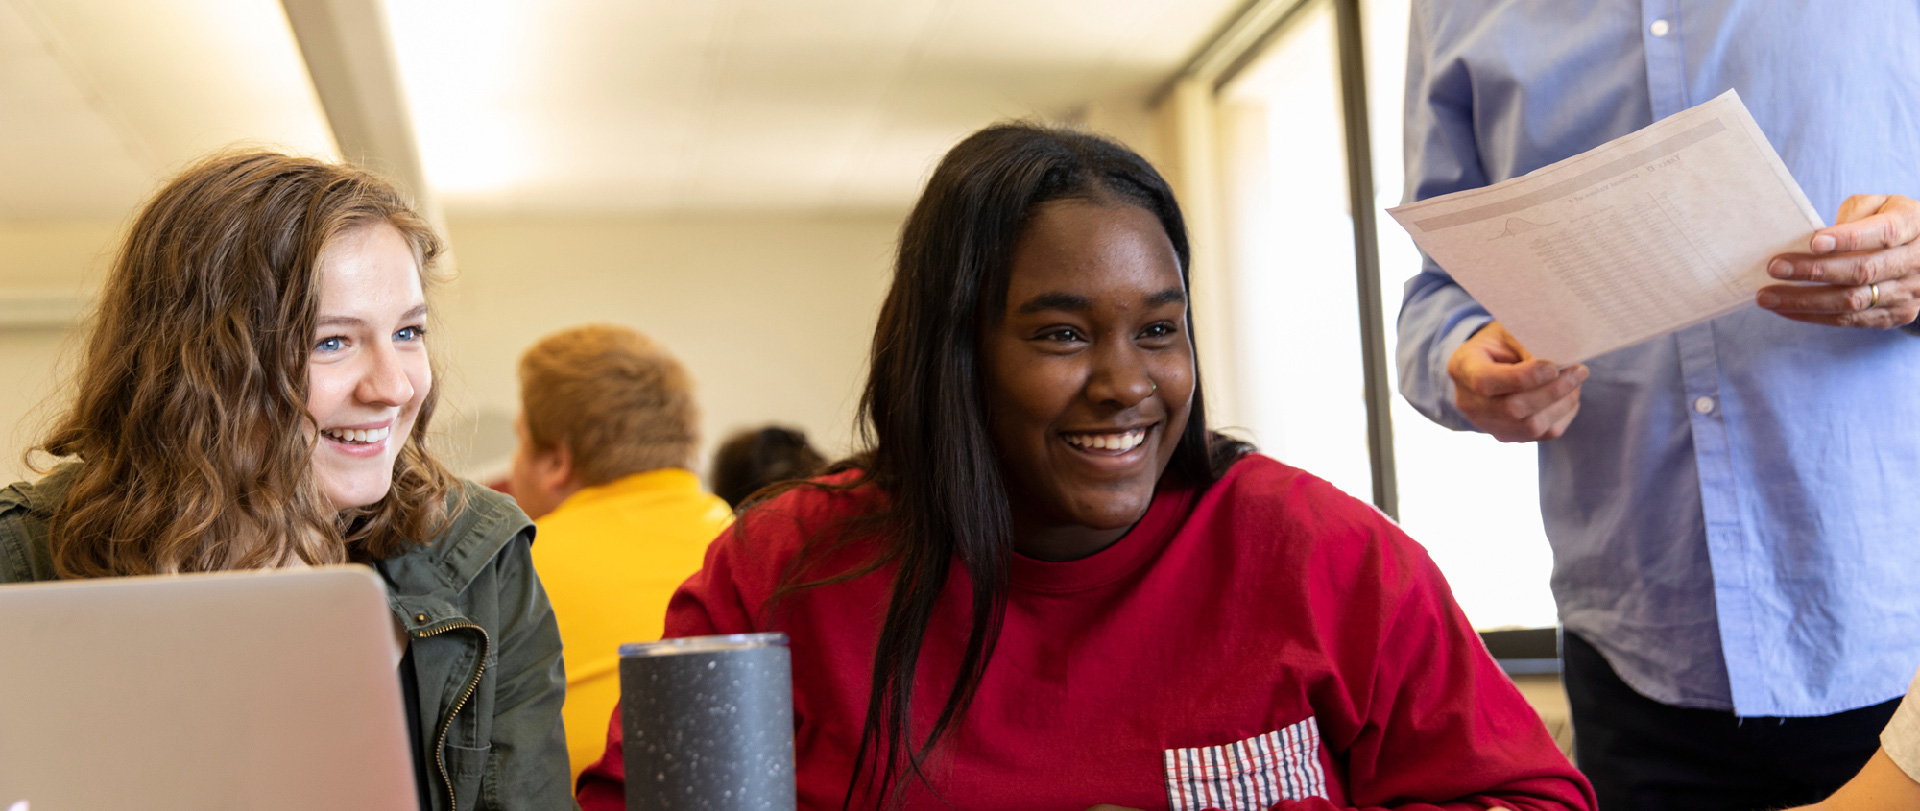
[(1486, 378), (1829, 299), (1528, 405), (1495, 342), (1559, 427), (1541, 423), (1870, 222), (1859, 206), (1876, 318), (1513, 345), (1542, 400), (1497, 347), (1858, 267)]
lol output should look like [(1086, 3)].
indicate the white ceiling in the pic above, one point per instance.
[(621, 105), (575, 106), (101, 99)]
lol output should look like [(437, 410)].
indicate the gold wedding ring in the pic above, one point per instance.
[(1873, 291)]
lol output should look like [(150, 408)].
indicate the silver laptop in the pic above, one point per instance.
[(258, 690)]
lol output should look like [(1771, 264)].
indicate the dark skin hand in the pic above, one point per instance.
[(1864, 271)]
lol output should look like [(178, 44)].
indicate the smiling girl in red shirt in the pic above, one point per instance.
[(1047, 585)]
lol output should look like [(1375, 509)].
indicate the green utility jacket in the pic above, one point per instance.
[(484, 647)]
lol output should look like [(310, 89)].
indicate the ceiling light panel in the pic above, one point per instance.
[(620, 106)]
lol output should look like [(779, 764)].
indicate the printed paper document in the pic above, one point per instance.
[(1652, 232)]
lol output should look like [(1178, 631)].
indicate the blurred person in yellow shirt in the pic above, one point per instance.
[(608, 427)]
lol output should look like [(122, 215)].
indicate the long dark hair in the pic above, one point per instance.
[(923, 416)]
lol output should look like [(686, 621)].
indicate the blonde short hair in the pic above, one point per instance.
[(618, 402)]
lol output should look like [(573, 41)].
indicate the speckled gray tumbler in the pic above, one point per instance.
[(708, 723)]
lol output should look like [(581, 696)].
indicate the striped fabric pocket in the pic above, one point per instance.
[(1250, 774)]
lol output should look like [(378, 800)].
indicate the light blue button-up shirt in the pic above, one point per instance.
[(1733, 512)]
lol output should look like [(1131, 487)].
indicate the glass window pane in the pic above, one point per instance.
[(1472, 501), (1296, 312)]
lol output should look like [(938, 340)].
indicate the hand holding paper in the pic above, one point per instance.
[(1507, 392), (1865, 267), (1652, 232)]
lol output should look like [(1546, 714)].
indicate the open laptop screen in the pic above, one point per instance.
[(204, 692)]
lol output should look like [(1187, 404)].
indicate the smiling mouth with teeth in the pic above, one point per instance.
[(1118, 442), (365, 437)]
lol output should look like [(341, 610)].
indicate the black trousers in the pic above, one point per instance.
[(1643, 755)]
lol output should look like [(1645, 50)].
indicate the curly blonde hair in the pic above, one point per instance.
[(188, 421)]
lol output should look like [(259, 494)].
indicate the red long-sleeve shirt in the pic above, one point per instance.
[(1267, 643)]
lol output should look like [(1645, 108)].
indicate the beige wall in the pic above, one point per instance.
[(771, 313), (30, 365), (55, 256), (46, 270)]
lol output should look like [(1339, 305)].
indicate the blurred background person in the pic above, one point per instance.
[(754, 458), (608, 429)]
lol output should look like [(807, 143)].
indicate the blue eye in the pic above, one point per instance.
[(333, 344), (413, 333)]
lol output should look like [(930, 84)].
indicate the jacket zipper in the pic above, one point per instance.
[(440, 741)]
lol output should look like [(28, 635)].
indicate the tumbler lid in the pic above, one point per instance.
[(702, 644)]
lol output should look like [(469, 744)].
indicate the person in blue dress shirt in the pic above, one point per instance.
[(1731, 506)]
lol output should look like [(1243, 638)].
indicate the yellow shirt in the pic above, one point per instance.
[(610, 557)]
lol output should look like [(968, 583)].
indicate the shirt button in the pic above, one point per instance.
[(1659, 28), (1703, 405)]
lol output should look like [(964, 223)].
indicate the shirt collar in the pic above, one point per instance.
[(661, 480)]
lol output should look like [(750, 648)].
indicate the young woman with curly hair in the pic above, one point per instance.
[(1047, 585), (255, 394)]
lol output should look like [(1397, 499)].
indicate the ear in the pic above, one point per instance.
[(553, 469)]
